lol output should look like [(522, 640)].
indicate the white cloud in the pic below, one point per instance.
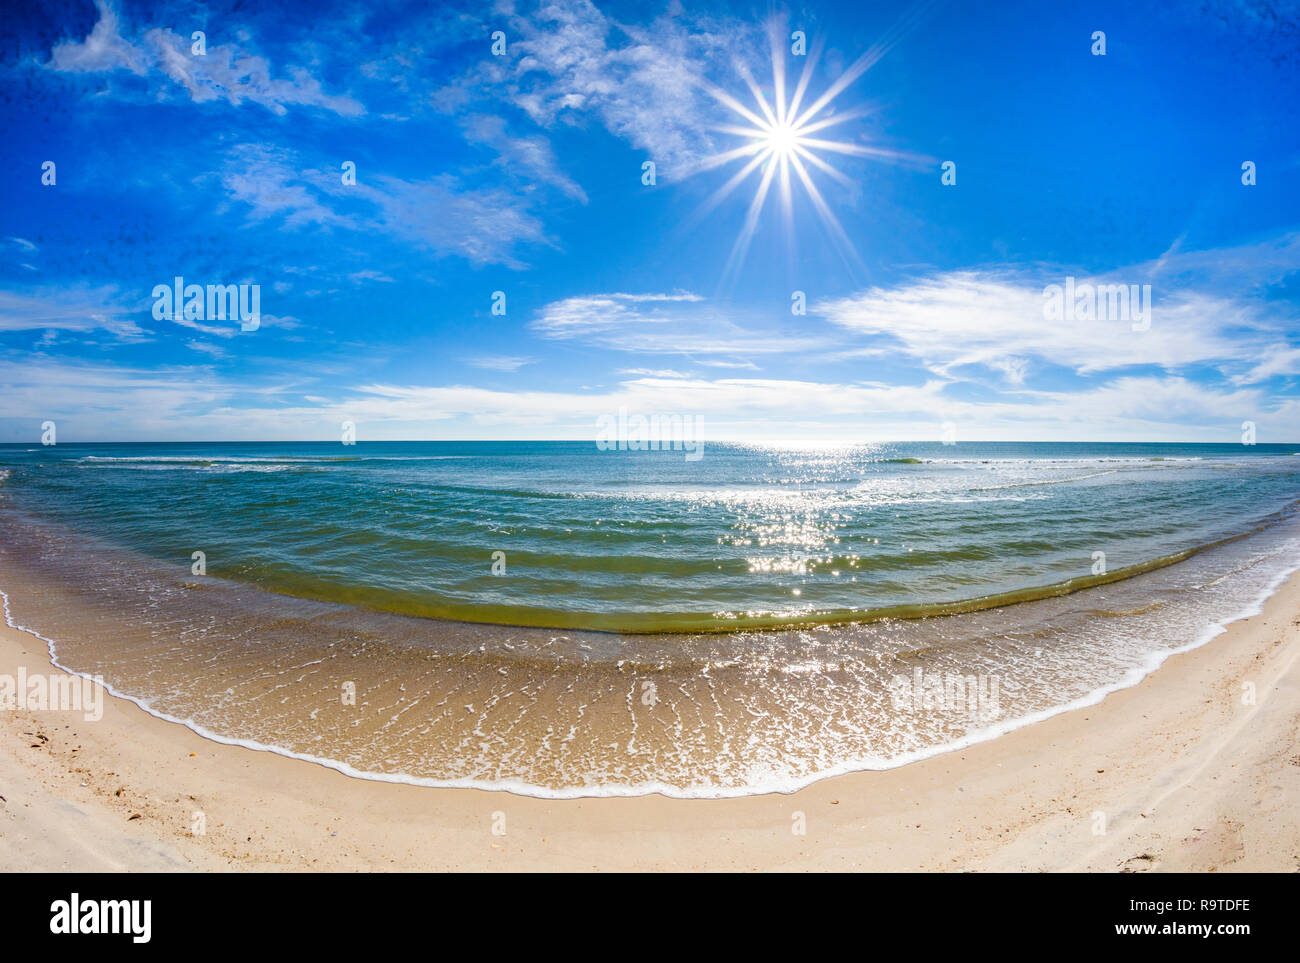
[(222, 73), (228, 330), (482, 225), (103, 50), (654, 373), (994, 319), (287, 321), (272, 183), (1279, 359), (68, 308), (569, 61), (531, 157), (104, 402), (210, 349), (496, 362), (677, 323), (190, 402)]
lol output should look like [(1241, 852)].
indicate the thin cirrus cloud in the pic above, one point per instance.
[(78, 308), (997, 319), (679, 323), (86, 309), (164, 59), (485, 225), (486, 183), (231, 328), (271, 184), (1279, 359), (570, 62), (99, 401), (531, 156), (497, 362)]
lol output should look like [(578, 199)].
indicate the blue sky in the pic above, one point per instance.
[(522, 173)]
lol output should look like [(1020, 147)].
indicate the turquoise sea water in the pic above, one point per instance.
[(750, 621), (646, 541)]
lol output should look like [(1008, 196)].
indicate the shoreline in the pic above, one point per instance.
[(1184, 775), (514, 788), (35, 585)]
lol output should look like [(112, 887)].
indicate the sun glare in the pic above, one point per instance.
[(783, 142), (780, 140)]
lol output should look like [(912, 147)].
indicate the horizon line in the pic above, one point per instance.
[(716, 441)]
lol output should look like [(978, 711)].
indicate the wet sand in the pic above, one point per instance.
[(1182, 773)]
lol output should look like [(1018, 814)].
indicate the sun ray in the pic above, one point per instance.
[(804, 77), (758, 96), (861, 150), (821, 165), (905, 24), (741, 247), (718, 160), (836, 146), (786, 198), (840, 118), (823, 209), (739, 131), (771, 117), (778, 74), (727, 100), (779, 138), (859, 67), (721, 194)]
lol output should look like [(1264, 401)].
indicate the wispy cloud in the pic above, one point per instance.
[(273, 185), (996, 319), (675, 323), (215, 351), (101, 401), (654, 373), (468, 163), (222, 72), (569, 62), (496, 362), (483, 225), (532, 156), (68, 308)]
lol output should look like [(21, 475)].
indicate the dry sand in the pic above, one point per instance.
[(1186, 776)]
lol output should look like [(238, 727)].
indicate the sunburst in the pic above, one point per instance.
[(785, 136)]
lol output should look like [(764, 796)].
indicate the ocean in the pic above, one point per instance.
[(559, 620)]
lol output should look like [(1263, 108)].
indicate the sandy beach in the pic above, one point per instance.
[(1178, 770), (594, 437)]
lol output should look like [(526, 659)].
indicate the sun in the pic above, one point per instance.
[(782, 141)]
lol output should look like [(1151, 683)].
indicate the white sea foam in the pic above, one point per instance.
[(759, 781)]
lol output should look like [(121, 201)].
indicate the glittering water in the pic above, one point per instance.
[(379, 559), (645, 541)]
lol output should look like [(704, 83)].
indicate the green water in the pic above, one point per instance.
[(562, 534)]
